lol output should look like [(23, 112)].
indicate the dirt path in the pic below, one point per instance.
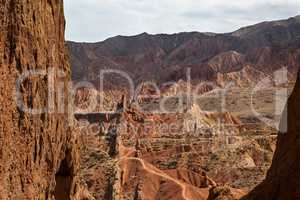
[(153, 170)]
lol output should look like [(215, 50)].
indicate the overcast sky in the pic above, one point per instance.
[(96, 20)]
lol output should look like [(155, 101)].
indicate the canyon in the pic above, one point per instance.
[(194, 149), (202, 146)]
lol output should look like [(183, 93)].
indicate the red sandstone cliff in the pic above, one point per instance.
[(37, 152)]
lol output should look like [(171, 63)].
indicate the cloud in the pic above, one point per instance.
[(95, 20)]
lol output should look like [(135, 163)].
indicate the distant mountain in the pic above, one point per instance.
[(265, 47)]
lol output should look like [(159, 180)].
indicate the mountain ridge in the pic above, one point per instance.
[(297, 17), (266, 46)]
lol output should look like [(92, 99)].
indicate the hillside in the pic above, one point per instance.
[(265, 47)]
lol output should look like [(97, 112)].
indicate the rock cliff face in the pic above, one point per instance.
[(283, 178), (38, 152)]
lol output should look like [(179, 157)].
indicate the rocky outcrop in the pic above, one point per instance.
[(227, 62), (223, 193), (283, 178), (38, 152)]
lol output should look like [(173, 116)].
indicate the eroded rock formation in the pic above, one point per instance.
[(38, 152), (283, 178)]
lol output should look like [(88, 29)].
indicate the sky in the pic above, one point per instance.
[(97, 20)]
